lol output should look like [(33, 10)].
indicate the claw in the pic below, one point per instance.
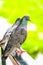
[(19, 51)]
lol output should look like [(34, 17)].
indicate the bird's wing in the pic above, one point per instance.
[(9, 31)]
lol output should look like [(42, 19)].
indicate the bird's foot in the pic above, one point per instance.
[(19, 52)]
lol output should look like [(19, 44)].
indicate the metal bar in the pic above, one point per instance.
[(2, 61), (14, 61), (0, 56)]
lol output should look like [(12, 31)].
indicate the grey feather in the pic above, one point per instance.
[(17, 37)]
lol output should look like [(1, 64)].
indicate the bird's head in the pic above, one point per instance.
[(24, 20), (27, 18)]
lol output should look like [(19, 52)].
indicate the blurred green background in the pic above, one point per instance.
[(12, 9)]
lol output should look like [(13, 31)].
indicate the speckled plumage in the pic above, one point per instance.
[(17, 37), (7, 34), (13, 27)]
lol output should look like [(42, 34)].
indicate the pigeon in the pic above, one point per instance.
[(7, 34), (17, 37)]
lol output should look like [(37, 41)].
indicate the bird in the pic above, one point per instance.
[(17, 37), (7, 34)]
